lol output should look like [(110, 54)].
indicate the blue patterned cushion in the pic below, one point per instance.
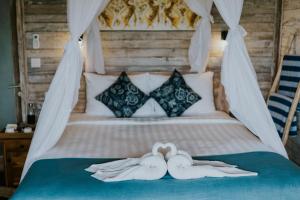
[(279, 106), (123, 98), (175, 96)]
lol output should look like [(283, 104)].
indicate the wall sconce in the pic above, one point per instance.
[(223, 42), (224, 34), (80, 41)]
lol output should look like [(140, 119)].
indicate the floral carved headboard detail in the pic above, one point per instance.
[(148, 15)]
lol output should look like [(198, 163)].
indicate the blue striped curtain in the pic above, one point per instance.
[(280, 103), (290, 76), (279, 106)]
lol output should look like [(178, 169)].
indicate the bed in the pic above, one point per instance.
[(87, 139), (61, 150)]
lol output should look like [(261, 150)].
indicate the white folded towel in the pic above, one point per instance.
[(182, 166), (151, 166)]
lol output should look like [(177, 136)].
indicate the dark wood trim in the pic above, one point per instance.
[(15, 52), (277, 36), (21, 39), (7, 136)]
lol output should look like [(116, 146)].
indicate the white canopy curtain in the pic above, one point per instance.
[(239, 80), (62, 95), (92, 46), (201, 40)]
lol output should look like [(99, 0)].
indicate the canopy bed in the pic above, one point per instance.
[(63, 145)]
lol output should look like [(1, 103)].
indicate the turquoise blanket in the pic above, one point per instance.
[(66, 179)]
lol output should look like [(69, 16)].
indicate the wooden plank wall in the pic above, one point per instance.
[(142, 50), (290, 32)]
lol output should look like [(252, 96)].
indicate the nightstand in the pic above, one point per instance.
[(15, 147)]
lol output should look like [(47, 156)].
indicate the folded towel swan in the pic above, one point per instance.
[(182, 166), (153, 166)]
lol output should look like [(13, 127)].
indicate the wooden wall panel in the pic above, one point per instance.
[(290, 31), (142, 50)]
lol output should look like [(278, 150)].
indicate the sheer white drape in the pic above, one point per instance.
[(94, 61), (239, 80), (201, 40), (62, 95)]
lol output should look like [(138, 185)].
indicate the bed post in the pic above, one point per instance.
[(291, 115), (276, 80)]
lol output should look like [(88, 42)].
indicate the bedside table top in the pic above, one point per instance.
[(7, 136)]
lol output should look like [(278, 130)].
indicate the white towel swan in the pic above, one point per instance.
[(182, 166), (151, 166)]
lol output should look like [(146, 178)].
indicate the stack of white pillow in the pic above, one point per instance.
[(202, 84)]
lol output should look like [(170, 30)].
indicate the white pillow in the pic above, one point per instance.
[(202, 84), (96, 84)]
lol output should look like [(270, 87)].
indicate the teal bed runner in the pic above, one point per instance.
[(65, 179)]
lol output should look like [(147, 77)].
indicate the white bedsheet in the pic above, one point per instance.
[(209, 134)]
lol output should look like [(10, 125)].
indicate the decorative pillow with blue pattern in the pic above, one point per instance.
[(175, 96), (123, 98)]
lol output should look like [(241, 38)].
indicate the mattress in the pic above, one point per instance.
[(88, 140), (216, 133)]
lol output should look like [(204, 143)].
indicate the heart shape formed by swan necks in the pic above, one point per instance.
[(170, 148)]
